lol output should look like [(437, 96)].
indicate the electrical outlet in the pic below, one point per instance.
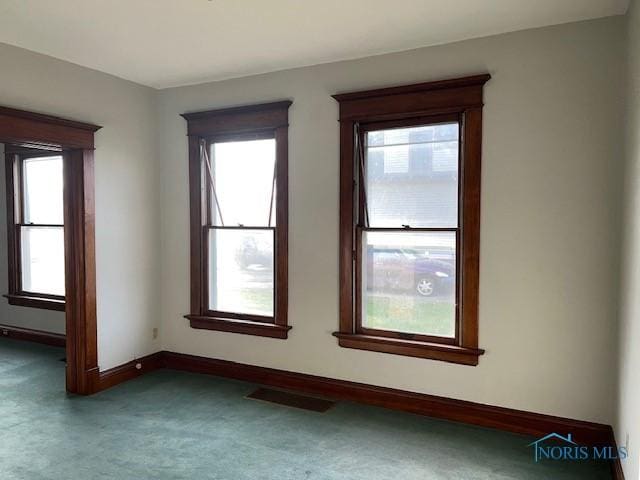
[(155, 333)]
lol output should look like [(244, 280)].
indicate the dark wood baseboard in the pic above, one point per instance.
[(616, 465), (29, 335), (500, 418), (122, 373)]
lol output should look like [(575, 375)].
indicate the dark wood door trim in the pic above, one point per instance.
[(76, 141)]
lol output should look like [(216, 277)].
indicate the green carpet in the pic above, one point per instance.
[(173, 425)]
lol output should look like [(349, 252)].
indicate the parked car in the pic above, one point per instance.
[(396, 268)]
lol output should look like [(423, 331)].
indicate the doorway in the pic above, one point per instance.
[(74, 142)]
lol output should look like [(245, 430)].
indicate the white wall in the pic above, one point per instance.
[(551, 172), (126, 195), (628, 412)]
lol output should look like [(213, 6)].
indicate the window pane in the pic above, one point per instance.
[(241, 271), (243, 173), (43, 190), (408, 282), (43, 260), (412, 176)]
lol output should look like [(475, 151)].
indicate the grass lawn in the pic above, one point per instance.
[(259, 300), (410, 314), (406, 313)]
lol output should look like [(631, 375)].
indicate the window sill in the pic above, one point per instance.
[(410, 348), (246, 327), (34, 301)]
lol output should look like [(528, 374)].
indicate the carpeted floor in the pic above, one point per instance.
[(173, 425)]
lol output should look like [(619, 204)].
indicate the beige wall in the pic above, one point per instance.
[(550, 228), (627, 424), (126, 194), (551, 173)]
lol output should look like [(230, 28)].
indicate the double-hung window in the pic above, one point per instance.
[(238, 183), (410, 183), (35, 228)]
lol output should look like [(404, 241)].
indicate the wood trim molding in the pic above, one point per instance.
[(617, 473), (239, 326), (35, 129), (458, 100), (416, 87), (247, 118), (80, 272), (431, 98), (435, 351), (471, 413), (130, 370), (36, 302), (30, 335), (268, 120), (488, 416), (76, 142)]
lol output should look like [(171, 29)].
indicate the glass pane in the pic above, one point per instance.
[(412, 176), (243, 173), (43, 260), (241, 271), (43, 190), (408, 282)]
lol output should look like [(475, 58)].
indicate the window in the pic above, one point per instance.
[(238, 183), (35, 227), (409, 216)]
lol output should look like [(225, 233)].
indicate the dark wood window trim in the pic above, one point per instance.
[(248, 122), (14, 158), (460, 99)]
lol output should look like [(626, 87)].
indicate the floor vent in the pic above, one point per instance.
[(291, 400)]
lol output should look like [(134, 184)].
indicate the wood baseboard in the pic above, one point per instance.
[(616, 465), (471, 413), (29, 335), (500, 418), (122, 373)]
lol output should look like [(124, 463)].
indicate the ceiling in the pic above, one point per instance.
[(163, 43)]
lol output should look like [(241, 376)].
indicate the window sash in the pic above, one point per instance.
[(360, 200), (209, 213), (212, 205), (361, 225), (19, 185), (24, 183), (360, 298), (18, 236), (205, 280)]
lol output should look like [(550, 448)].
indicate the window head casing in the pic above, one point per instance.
[(410, 219), (239, 207)]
